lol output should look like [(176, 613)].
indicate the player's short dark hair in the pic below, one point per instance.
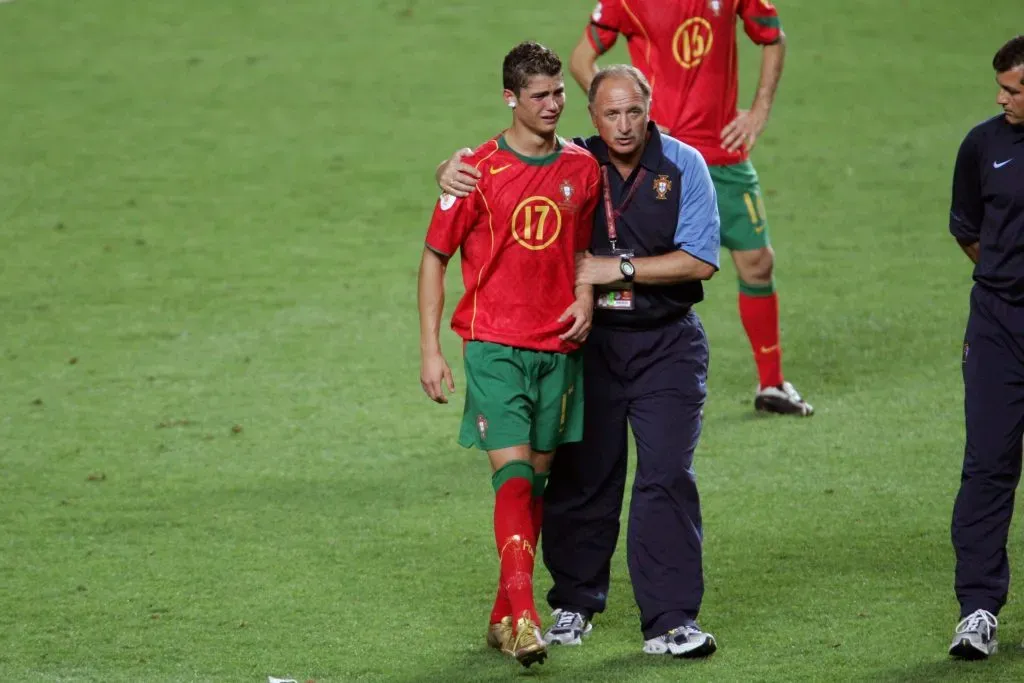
[(1010, 56), (528, 59), (620, 71)]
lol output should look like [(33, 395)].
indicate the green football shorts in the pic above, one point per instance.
[(516, 396), (740, 206)]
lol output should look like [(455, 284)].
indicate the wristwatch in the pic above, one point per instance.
[(627, 268)]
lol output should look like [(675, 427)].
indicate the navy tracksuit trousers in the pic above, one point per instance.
[(654, 380), (993, 368)]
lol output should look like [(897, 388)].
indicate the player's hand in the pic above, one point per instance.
[(597, 270), (582, 313), (456, 178), (744, 130), (435, 376)]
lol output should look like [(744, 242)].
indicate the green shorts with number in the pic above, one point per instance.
[(740, 207), (516, 396)]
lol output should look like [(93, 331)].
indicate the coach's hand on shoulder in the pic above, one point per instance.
[(744, 130), (456, 178), (435, 376)]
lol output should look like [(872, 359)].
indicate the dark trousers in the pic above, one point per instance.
[(993, 367), (655, 381)]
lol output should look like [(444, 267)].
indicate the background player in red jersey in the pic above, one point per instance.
[(688, 51), (522, 318)]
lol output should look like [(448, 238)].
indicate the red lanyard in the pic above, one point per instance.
[(611, 214)]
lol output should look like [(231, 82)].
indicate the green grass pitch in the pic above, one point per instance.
[(216, 463)]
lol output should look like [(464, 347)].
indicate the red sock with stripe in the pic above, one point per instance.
[(502, 607), (759, 312), (513, 534)]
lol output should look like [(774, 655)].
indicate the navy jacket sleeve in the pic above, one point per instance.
[(967, 210)]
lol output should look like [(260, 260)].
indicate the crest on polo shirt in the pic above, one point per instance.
[(662, 186), (715, 6)]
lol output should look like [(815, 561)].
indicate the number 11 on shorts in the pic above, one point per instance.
[(757, 212)]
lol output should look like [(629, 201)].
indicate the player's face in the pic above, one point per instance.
[(540, 103), (1011, 94), (620, 114)]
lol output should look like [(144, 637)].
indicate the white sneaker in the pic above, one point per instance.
[(685, 641), (569, 628), (975, 636), (783, 399)]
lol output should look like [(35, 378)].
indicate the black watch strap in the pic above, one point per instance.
[(627, 268)]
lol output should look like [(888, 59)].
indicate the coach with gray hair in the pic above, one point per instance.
[(655, 238)]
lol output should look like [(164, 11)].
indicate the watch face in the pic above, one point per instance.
[(627, 268)]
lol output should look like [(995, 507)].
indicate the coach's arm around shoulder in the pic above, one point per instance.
[(456, 177)]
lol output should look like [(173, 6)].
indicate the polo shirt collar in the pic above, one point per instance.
[(1017, 131)]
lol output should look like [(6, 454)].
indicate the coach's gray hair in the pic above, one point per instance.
[(620, 71)]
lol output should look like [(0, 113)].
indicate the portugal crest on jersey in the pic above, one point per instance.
[(567, 191), (715, 6), (662, 186)]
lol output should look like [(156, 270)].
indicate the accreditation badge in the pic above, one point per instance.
[(617, 296)]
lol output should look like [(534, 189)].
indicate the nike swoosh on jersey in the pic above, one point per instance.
[(1001, 164), (499, 169)]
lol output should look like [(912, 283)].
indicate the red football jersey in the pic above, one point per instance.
[(519, 233), (688, 51)]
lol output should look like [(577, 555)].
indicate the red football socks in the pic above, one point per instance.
[(760, 315), (514, 536)]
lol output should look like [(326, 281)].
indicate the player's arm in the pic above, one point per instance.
[(430, 294), (583, 62), (582, 309), (449, 226), (607, 21), (435, 374), (761, 23), (966, 208)]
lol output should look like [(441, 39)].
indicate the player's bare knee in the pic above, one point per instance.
[(541, 461), (755, 266), (503, 456)]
